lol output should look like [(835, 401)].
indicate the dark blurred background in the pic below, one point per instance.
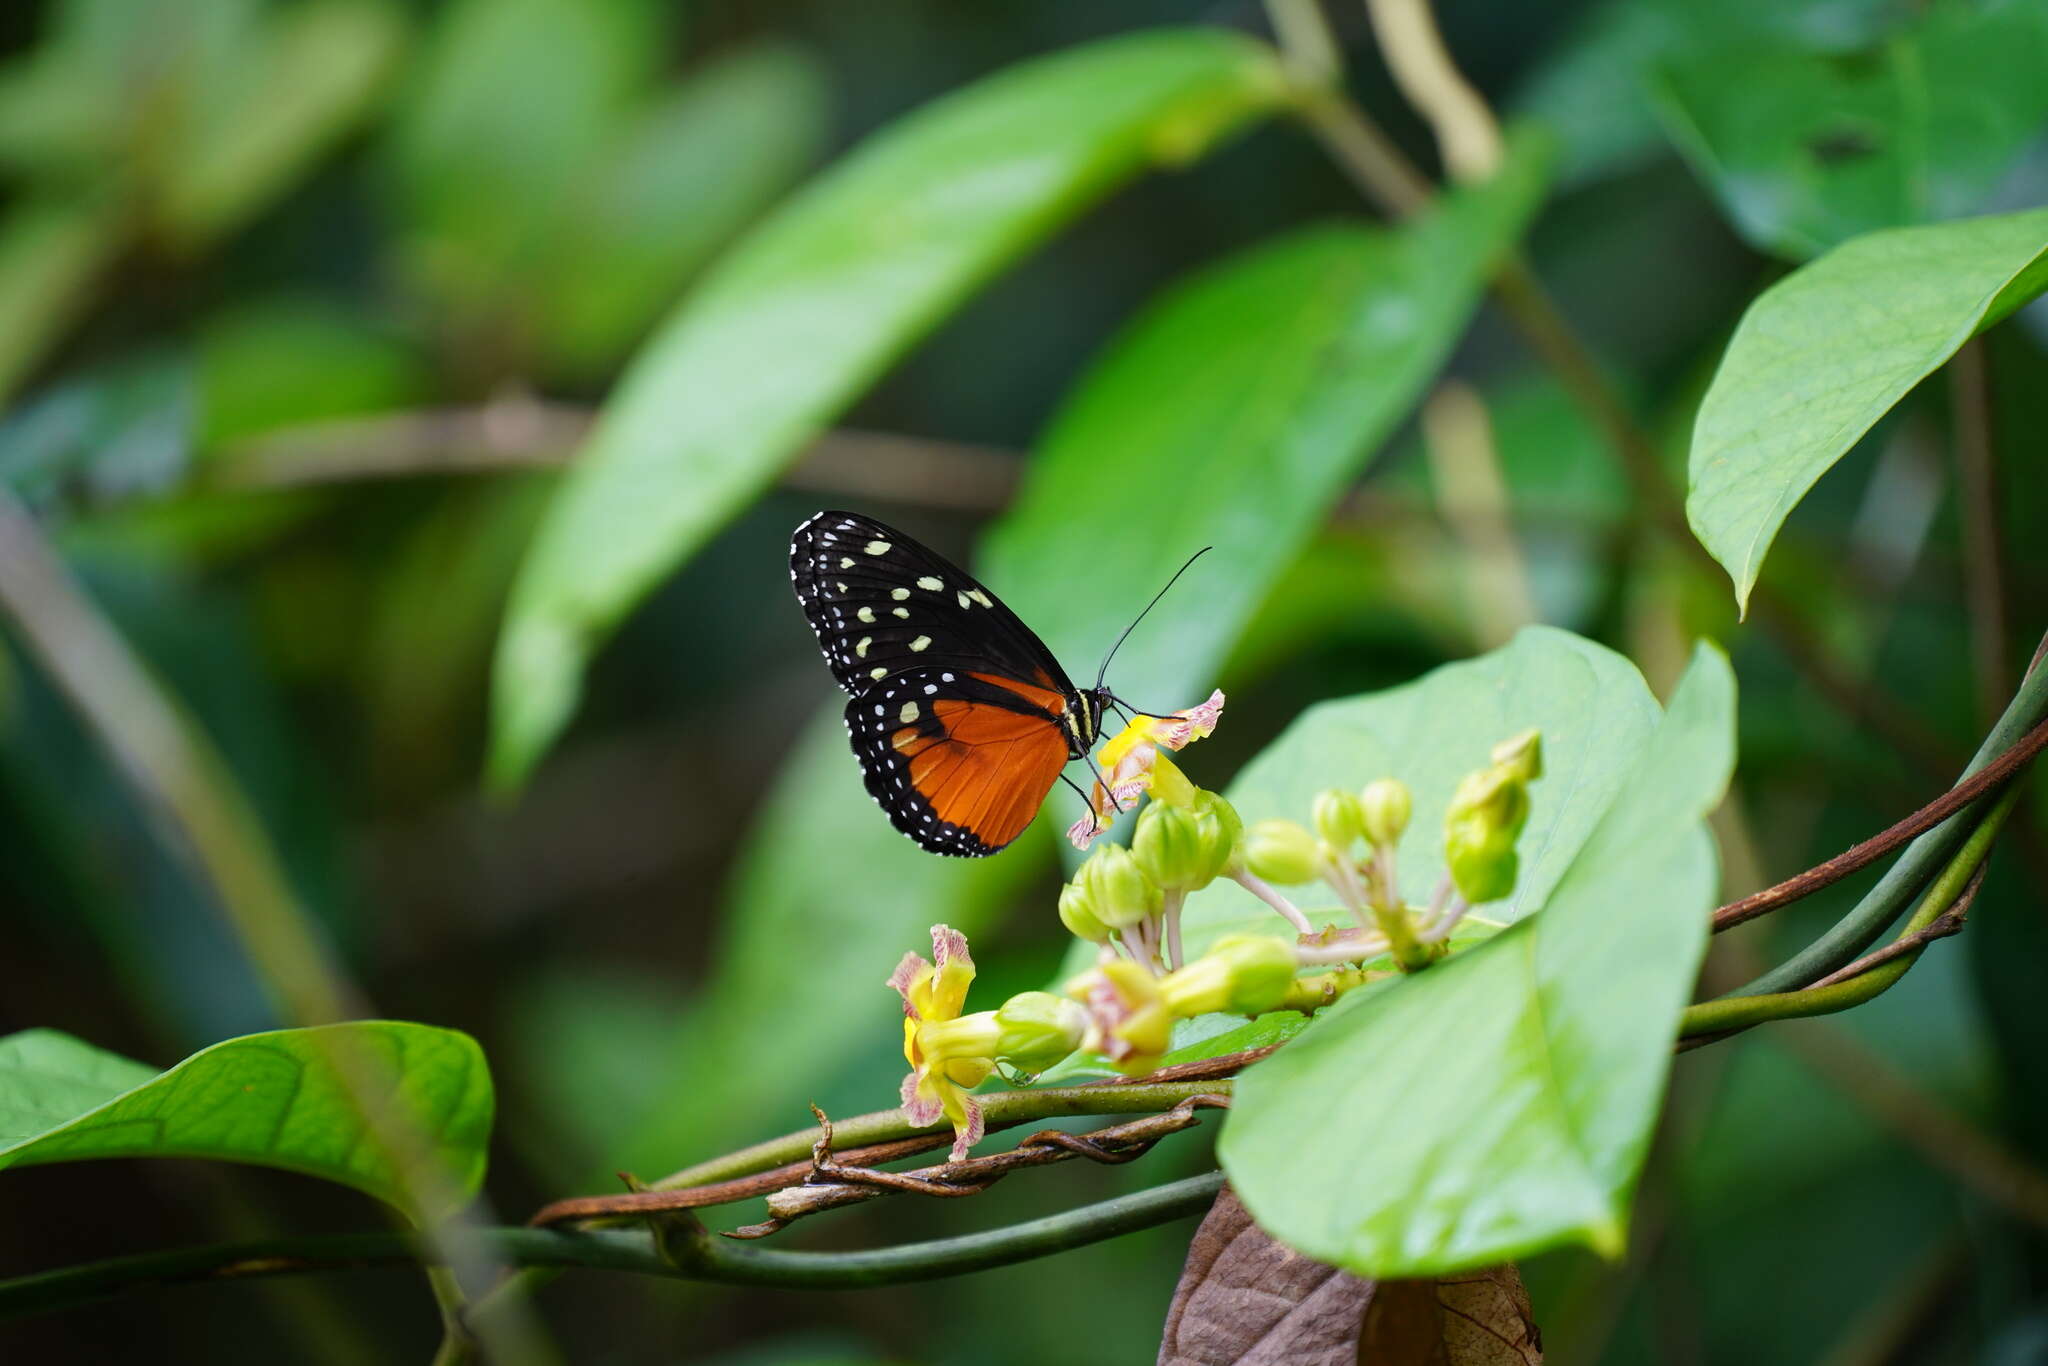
[(300, 304)]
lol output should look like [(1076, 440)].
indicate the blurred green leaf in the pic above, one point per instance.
[(424, 656), (103, 435), (827, 899), (50, 255), (1825, 352), (1593, 88), (684, 176), (1232, 413), (304, 79), (284, 360), (814, 305), (510, 102), (1807, 150), (276, 1100), (1501, 1102)]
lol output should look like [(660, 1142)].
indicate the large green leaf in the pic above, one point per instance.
[(1501, 1102), (1592, 706), (807, 311), (828, 898), (1808, 150), (1827, 351), (1232, 413), (283, 1099)]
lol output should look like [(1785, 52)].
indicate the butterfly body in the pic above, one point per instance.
[(961, 718)]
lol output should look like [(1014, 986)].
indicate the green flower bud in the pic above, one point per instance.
[(1183, 848), (1482, 861), (1077, 913), (1244, 974), (1118, 890), (1522, 753), (1282, 852), (1383, 811), (1039, 1029), (1485, 818), (1338, 818)]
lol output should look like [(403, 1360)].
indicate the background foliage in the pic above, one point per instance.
[(303, 306)]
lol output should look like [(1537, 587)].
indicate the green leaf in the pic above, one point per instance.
[(683, 177), (1592, 706), (274, 1100), (827, 900), (1808, 150), (807, 311), (1825, 352), (1501, 1102), (50, 256), (1590, 87), (305, 78), (1232, 413), (509, 103), (284, 360)]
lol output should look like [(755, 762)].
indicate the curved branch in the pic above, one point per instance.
[(1717, 1019), (698, 1256), (1878, 845)]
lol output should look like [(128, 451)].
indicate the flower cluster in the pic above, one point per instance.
[(950, 1053), (1128, 900)]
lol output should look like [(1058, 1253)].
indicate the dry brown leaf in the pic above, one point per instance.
[(1245, 1299)]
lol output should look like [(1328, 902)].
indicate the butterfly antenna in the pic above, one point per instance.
[(1103, 672)]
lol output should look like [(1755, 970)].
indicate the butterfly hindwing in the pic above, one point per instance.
[(959, 761), (881, 604)]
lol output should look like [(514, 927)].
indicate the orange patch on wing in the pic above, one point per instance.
[(1048, 697), (991, 770)]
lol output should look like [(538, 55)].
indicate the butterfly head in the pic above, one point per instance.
[(1084, 720)]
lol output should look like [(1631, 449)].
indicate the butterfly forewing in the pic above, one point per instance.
[(880, 603), (960, 761)]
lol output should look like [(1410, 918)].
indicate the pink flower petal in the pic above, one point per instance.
[(977, 1128), (905, 977), (921, 1102)]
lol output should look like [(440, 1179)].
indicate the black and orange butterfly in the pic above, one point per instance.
[(961, 718)]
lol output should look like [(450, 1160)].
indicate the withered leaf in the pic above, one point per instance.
[(1245, 1299)]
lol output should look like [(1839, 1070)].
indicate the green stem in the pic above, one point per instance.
[(704, 1257), (1915, 868), (1000, 1109), (1740, 1012)]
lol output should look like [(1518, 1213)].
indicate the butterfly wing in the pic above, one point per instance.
[(881, 604), (959, 761)]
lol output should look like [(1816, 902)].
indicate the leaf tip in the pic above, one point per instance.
[(1608, 1237)]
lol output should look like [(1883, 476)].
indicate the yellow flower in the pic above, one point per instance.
[(940, 1075), (1128, 760)]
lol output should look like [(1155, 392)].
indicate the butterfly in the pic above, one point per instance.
[(960, 716)]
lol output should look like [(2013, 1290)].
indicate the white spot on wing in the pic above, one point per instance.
[(900, 594), (908, 714), (878, 673), (921, 644), (878, 547), (930, 584), (866, 614)]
